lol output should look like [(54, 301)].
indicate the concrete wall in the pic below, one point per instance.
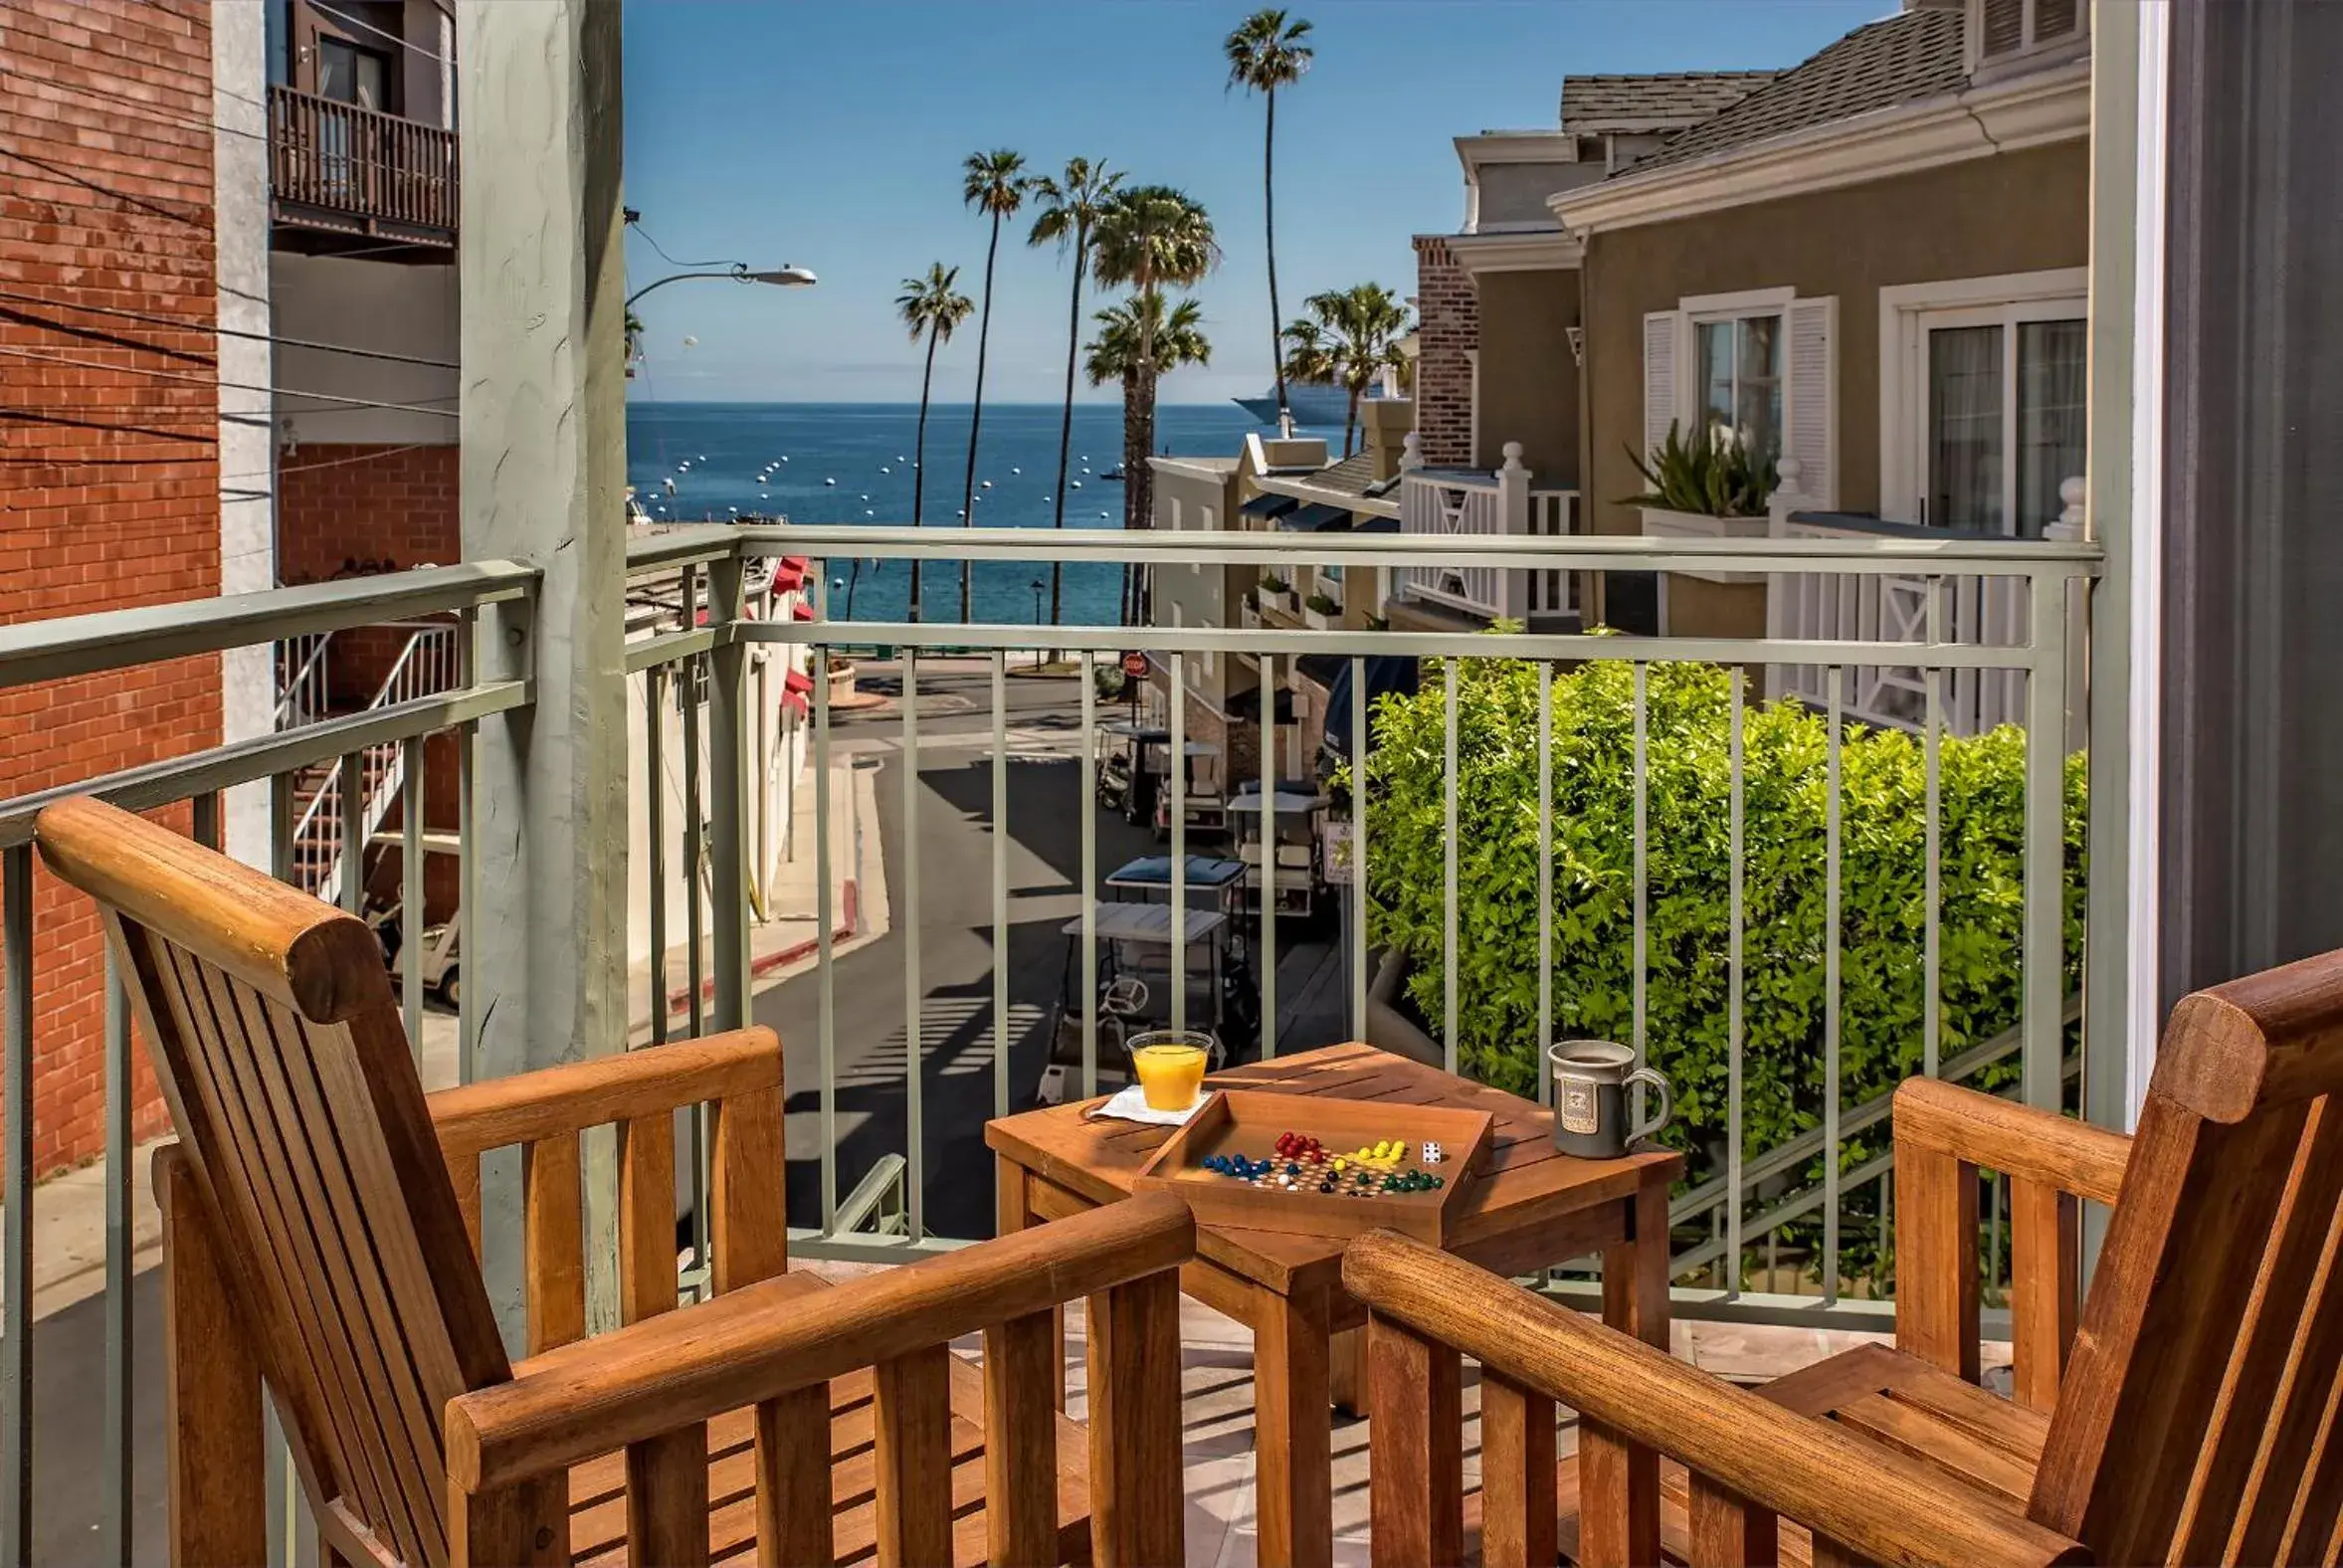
[(1513, 194), (248, 506), (1528, 381), (1195, 500), (2020, 212), (372, 305)]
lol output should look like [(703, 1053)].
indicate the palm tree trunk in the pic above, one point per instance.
[(919, 466), (1140, 500), (1074, 338), (1130, 492), (1268, 207), (984, 332), (1351, 420)]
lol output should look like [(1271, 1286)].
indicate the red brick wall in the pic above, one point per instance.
[(344, 510), (108, 477), (1448, 330)]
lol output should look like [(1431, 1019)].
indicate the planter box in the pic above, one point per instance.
[(1287, 601), (842, 681), (1322, 620), (1662, 524)]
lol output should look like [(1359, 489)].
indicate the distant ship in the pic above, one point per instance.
[(1316, 405)]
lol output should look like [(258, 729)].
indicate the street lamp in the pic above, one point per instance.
[(784, 276)]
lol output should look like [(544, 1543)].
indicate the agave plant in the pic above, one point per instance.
[(1717, 474)]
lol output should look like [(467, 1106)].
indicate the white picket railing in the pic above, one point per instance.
[(1447, 502)]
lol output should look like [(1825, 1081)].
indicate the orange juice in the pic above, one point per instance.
[(1170, 1072)]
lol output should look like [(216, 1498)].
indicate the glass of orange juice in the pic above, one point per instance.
[(1170, 1066)]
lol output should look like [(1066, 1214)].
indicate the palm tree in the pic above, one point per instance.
[(1350, 336), (932, 307), (1139, 340), (1070, 211), (1265, 54), (1150, 237), (993, 183)]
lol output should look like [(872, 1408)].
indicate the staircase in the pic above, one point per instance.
[(429, 662)]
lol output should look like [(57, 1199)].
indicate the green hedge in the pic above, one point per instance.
[(1883, 889)]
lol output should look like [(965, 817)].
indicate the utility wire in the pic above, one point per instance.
[(344, 19), (154, 115), (234, 386), (663, 250), (228, 331)]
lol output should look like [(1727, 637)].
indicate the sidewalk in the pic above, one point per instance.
[(69, 1211)]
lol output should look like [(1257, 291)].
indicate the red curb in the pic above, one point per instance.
[(848, 927)]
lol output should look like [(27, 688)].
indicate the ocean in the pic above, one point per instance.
[(852, 463)]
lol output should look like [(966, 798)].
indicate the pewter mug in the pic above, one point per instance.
[(1590, 1079)]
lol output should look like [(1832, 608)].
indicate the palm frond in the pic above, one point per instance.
[(932, 305)]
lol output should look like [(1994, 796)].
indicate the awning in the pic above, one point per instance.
[(793, 702), (797, 680), (1316, 517), (801, 611), (789, 574), (1267, 507), (1246, 705), (1322, 668), (1386, 674)]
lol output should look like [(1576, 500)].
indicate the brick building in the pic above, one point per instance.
[(110, 475), (1448, 336)]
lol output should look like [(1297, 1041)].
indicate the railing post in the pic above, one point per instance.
[(1514, 523), (545, 466), (2068, 529), (729, 791)]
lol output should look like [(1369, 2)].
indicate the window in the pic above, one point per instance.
[(1983, 415), (351, 75), (1761, 364), (1741, 361)]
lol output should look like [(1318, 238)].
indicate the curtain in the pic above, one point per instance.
[(2051, 399), (1965, 428)]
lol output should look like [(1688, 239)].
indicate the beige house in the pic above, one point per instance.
[(1871, 265)]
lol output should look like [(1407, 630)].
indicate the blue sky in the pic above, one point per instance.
[(830, 135)]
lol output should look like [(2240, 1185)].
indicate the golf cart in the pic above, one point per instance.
[(1293, 874), (1137, 985)]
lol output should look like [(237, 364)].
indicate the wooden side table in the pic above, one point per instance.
[(1533, 1207)]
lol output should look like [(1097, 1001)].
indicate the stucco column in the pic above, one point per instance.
[(544, 464)]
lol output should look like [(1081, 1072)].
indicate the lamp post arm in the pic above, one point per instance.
[(739, 273)]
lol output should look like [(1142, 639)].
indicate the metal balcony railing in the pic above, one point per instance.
[(885, 1122), (337, 166)]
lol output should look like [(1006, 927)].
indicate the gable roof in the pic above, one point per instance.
[(1916, 53), (1659, 101)]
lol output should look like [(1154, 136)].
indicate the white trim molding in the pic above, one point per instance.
[(2055, 293), (2032, 109), (1544, 249)]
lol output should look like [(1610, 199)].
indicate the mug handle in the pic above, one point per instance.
[(1661, 1117)]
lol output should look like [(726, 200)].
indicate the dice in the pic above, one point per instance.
[(1432, 1153)]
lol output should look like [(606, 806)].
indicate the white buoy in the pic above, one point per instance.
[(829, 481), (785, 460), (865, 498), (1073, 485), (1017, 471), (1101, 515), (869, 513), (884, 468), (986, 484), (960, 511)]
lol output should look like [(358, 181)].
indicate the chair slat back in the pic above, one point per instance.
[(2195, 1420), (278, 1048)]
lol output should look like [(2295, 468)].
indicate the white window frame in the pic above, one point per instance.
[(1694, 312), (1907, 312), (2032, 51)]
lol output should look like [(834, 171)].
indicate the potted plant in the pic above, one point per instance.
[(1276, 593), (1706, 486), (1322, 612)]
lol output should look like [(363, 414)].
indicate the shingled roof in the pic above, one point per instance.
[(1916, 53), (1662, 100)]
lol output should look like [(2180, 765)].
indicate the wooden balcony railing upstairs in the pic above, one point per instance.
[(336, 166)]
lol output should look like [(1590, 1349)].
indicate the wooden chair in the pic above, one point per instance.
[(317, 1242), (2193, 1417)]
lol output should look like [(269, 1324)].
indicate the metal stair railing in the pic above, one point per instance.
[(428, 664), (301, 697)]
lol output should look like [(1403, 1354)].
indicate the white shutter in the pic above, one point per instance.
[(1659, 389), (1809, 402)]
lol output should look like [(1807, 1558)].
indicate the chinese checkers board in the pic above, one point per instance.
[(1309, 1165)]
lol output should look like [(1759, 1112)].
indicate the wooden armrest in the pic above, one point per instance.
[(764, 1340), (2016, 1140), (529, 1108), (1883, 1504)]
